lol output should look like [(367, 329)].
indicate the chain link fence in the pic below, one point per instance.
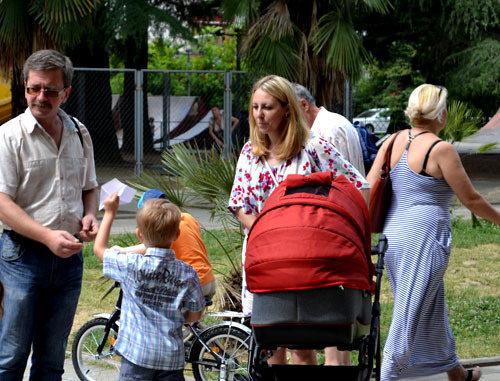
[(134, 115)]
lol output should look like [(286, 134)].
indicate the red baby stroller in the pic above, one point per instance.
[(308, 263)]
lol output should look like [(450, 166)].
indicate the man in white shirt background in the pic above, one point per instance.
[(339, 132), (333, 127)]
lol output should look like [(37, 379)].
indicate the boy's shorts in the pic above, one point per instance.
[(132, 372), (209, 289)]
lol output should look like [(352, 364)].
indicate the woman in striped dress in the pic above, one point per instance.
[(425, 173)]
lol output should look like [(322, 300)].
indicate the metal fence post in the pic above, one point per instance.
[(166, 111), (347, 99), (138, 126), (228, 114)]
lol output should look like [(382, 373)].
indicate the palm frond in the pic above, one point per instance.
[(277, 57), (16, 34), (173, 189), (380, 6), (64, 21), (343, 44), (189, 171), (487, 147), (245, 11), (58, 12), (462, 121)]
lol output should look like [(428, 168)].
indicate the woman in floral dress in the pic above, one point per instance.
[(280, 144)]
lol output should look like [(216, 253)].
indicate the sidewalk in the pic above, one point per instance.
[(70, 374), (490, 368)]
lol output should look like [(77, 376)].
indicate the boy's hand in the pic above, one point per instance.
[(111, 203), (102, 239)]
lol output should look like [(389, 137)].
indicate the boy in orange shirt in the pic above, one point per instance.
[(189, 247)]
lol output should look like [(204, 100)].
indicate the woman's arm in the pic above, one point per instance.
[(235, 122), (325, 157), (376, 168), (213, 135), (454, 173), (246, 220)]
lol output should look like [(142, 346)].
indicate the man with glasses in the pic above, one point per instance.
[(48, 206)]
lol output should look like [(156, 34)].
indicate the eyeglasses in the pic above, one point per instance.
[(440, 90), (48, 93)]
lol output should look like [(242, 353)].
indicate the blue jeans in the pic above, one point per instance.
[(41, 295), (132, 372)]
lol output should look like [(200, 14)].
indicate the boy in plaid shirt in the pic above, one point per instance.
[(160, 293)]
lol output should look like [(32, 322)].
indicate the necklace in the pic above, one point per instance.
[(411, 137)]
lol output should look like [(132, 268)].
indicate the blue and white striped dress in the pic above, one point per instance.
[(420, 340)]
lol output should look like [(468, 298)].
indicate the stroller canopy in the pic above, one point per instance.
[(313, 232)]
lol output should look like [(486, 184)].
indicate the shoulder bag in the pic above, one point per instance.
[(381, 192)]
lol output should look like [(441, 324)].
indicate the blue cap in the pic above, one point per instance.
[(152, 193)]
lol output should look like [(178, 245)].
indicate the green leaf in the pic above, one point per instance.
[(344, 45), (462, 121)]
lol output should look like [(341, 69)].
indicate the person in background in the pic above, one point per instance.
[(280, 144), (160, 293), (48, 204), (188, 247), (426, 172), (336, 129), (340, 133), (216, 126)]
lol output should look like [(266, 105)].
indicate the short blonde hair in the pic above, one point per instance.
[(158, 221), (294, 134), (427, 102)]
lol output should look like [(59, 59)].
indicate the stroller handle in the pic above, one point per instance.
[(382, 245)]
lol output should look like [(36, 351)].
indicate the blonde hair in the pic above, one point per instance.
[(158, 221), (427, 102), (295, 132)]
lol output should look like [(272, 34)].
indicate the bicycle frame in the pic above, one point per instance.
[(112, 320), (231, 323), (223, 363)]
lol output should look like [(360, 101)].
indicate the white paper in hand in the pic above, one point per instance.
[(125, 192)]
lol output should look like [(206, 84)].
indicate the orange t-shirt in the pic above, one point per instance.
[(189, 247)]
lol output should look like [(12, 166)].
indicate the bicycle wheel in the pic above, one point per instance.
[(231, 344), (90, 366)]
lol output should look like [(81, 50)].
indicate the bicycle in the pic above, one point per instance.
[(216, 352)]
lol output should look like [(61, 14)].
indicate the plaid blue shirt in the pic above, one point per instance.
[(156, 287)]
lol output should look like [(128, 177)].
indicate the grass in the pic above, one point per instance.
[(472, 285)]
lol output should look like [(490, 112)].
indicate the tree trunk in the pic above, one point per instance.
[(90, 100), (136, 57), (19, 103)]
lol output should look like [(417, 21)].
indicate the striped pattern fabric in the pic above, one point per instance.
[(420, 341)]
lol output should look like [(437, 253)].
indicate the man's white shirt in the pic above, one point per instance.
[(341, 133)]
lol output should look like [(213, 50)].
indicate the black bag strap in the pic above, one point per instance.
[(387, 164), (428, 153), (77, 130)]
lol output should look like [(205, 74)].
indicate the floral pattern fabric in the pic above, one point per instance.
[(253, 183)]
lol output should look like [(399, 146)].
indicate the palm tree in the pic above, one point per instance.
[(29, 25), (312, 42)]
